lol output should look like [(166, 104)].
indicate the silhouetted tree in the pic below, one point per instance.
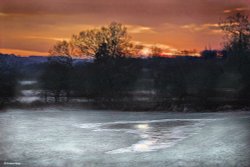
[(202, 80), (245, 76), (7, 81), (114, 36), (102, 54), (209, 54), (62, 52), (237, 31), (55, 80), (111, 77), (170, 79)]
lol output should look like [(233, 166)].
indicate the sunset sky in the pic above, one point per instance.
[(31, 27)]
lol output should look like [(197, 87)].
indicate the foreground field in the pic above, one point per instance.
[(57, 137)]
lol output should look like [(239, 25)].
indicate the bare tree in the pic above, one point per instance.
[(62, 52), (237, 31), (61, 48), (114, 36)]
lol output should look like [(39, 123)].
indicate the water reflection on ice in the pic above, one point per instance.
[(154, 134), (28, 99), (27, 82), (29, 96), (142, 126), (30, 92)]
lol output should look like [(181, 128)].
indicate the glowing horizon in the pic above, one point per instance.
[(31, 27)]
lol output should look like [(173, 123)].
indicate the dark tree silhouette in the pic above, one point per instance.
[(209, 54), (111, 77), (62, 52), (7, 81), (114, 36), (237, 32), (55, 79), (170, 81), (108, 77)]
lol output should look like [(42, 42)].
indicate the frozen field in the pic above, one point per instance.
[(88, 138)]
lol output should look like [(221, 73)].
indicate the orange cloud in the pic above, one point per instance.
[(3, 14), (147, 48), (240, 9), (211, 28), (48, 38), (136, 29)]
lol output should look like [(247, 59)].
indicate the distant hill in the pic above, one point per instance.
[(29, 67), (31, 60), (13, 59)]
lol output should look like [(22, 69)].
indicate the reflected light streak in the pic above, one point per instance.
[(142, 126)]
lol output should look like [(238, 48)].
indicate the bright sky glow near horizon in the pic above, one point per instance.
[(31, 27)]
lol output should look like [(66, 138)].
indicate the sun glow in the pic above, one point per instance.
[(146, 52)]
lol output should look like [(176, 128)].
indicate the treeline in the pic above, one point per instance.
[(107, 80), (152, 83), (7, 81), (114, 78)]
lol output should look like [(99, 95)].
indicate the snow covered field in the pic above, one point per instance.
[(58, 137)]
